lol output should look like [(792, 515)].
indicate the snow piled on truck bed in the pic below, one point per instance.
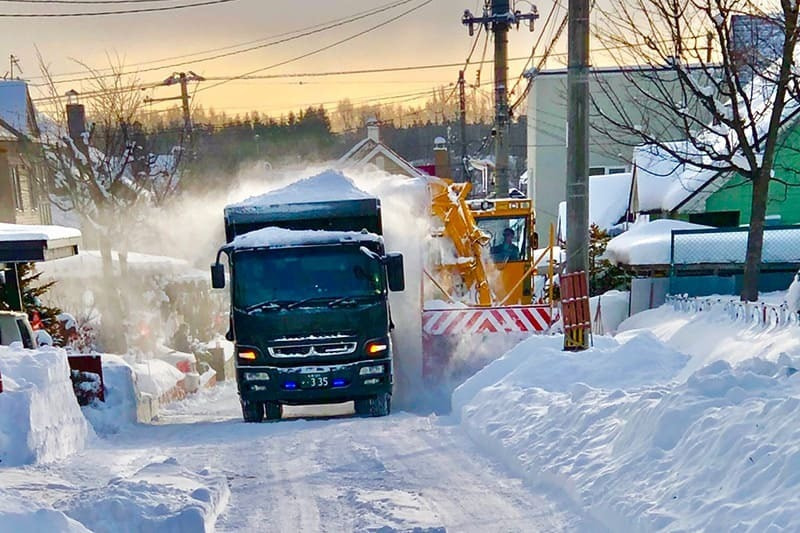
[(279, 237), (325, 186), (40, 420), (647, 431)]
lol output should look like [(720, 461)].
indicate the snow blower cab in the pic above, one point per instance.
[(309, 283)]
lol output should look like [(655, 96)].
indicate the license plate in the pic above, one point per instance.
[(315, 381)]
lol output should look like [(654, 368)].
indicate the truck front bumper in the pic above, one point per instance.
[(315, 384)]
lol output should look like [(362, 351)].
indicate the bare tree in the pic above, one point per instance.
[(694, 73), (106, 175)]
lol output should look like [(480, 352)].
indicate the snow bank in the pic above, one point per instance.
[(647, 243), (715, 453), (40, 420), (161, 497), (645, 437), (710, 336), (17, 514), (613, 311), (156, 377), (540, 362), (119, 409)]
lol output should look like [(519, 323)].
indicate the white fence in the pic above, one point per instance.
[(755, 313)]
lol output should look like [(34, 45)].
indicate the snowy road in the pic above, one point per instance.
[(400, 473)]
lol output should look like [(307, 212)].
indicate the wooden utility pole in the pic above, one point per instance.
[(462, 116), (183, 79), (498, 22), (578, 152)]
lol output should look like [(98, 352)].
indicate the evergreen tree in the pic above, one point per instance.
[(40, 315)]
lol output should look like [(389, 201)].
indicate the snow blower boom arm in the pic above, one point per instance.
[(449, 204)]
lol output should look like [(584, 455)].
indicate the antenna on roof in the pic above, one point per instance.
[(14, 62)]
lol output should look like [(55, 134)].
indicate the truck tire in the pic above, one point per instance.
[(380, 405), (252, 411), (274, 410)]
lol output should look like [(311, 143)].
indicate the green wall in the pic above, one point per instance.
[(783, 201)]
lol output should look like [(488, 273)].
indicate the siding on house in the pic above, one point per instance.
[(21, 200), (783, 201)]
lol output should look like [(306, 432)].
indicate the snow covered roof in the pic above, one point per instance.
[(608, 201), (22, 232), (647, 243), (24, 243), (665, 184), (16, 108), (365, 152), (280, 238), (89, 263), (324, 187)]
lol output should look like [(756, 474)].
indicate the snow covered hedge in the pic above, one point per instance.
[(40, 420)]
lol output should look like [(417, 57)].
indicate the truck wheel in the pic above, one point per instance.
[(274, 410), (252, 411), (379, 405)]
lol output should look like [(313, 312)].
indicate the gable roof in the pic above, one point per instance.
[(365, 151), (16, 108)]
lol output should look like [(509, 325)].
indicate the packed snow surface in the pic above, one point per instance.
[(23, 232), (326, 186), (646, 243), (40, 420), (280, 237)]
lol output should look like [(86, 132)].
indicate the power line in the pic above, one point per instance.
[(304, 33), (80, 2), (324, 48), (119, 12)]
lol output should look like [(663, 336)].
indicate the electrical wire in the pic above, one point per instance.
[(119, 12), (323, 48), (305, 32)]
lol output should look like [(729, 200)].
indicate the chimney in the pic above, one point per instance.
[(441, 158), (76, 118), (373, 130)]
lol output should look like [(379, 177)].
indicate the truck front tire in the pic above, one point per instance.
[(380, 405), (252, 412), (274, 410)]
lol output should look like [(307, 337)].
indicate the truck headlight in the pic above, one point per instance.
[(256, 376), (369, 370)]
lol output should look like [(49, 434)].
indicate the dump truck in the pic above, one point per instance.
[(309, 282)]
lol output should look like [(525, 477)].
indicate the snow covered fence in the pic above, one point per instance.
[(759, 313)]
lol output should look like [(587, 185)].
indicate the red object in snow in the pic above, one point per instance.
[(36, 321), (1, 382), (87, 378)]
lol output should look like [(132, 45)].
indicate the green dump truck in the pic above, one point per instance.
[(309, 282)]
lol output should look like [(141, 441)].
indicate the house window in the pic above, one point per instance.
[(604, 171), (16, 187)]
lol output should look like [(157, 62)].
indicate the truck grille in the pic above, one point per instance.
[(315, 349)]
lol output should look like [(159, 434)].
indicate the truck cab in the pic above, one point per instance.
[(310, 315)]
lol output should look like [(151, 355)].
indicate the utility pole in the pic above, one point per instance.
[(13, 62), (462, 115), (498, 22), (183, 79), (578, 152)]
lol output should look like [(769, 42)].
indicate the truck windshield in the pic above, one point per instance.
[(313, 274)]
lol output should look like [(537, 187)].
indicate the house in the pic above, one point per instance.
[(547, 131), (609, 198), (372, 152), (23, 194)]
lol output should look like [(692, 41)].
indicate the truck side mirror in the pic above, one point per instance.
[(217, 276), (394, 270)]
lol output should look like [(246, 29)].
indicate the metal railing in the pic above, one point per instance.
[(751, 313)]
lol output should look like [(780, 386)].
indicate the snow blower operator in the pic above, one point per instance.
[(506, 250)]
